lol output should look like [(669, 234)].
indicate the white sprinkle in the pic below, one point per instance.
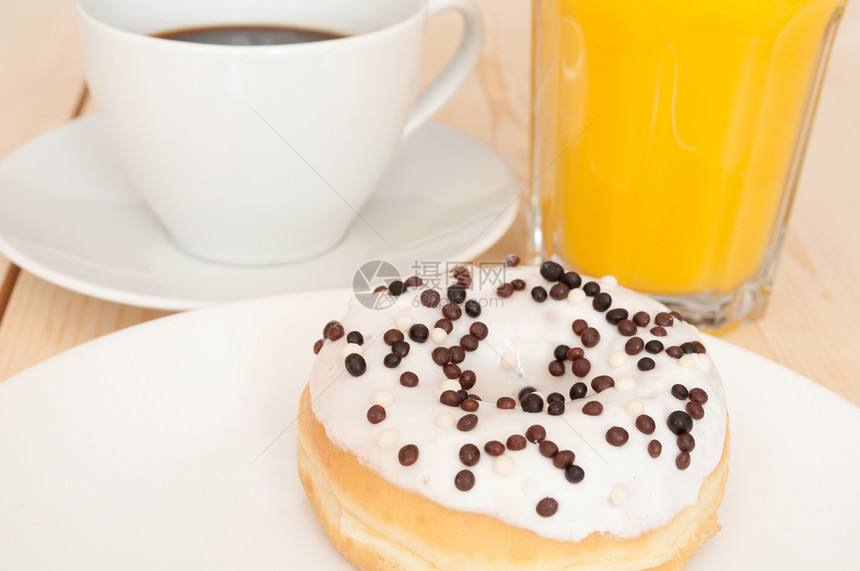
[(624, 384), (438, 335), (617, 359), (504, 465), (383, 398), (445, 420), (450, 385), (687, 361), (350, 348), (618, 495), (608, 281), (576, 296), (634, 408), (509, 361), (353, 301), (386, 438), (404, 321)]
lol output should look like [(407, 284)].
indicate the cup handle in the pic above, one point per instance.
[(458, 69)]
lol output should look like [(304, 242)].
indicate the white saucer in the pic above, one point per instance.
[(69, 215), (150, 449)]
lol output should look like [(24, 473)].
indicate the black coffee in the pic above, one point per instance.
[(248, 35)]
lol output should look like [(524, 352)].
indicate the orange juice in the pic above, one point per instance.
[(668, 134)]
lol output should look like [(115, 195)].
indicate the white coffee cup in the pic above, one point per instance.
[(263, 154)]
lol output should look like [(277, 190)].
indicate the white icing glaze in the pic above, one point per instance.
[(654, 489)]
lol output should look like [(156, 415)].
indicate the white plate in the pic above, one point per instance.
[(69, 215), (142, 450)]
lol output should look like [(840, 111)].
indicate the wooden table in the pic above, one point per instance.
[(812, 325)]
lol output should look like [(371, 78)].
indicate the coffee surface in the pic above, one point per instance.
[(248, 35)]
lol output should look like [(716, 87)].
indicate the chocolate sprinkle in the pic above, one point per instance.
[(547, 448), (464, 480), (658, 331), (575, 353), (469, 342), (396, 288), (480, 330), (590, 337), (551, 271), (645, 364), (547, 507), (505, 290), (532, 402), (441, 355), (457, 294), (539, 294), (555, 368), (409, 379), (574, 474), (675, 352), (413, 281), (571, 279), (355, 337), (469, 405), (698, 395), (563, 459), (430, 298), (617, 436), (401, 348), (663, 319), (626, 328), (682, 461), (645, 424), (560, 352), (408, 455), (469, 454), (458, 354), (653, 346), (376, 414), (494, 448), (445, 324), (555, 408), (578, 326), (452, 371), (641, 318), (679, 422), (519, 285), (655, 448), (392, 336), (601, 383), (473, 308), (559, 291), (506, 403), (355, 364), (512, 260), (634, 346), (591, 289), (391, 360), (695, 410), (467, 422), (602, 301), (578, 390), (468, 379), (318, 346), (535, 433), (686, 442), (516, 442), (613, 316), (451, 311), (592, 408), (679, 391), (689, 348), (580, 367), (450, 398), (419, 333)]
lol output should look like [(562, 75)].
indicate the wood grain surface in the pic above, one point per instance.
[(810, 325)]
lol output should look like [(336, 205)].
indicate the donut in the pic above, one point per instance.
[(513, 417)]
